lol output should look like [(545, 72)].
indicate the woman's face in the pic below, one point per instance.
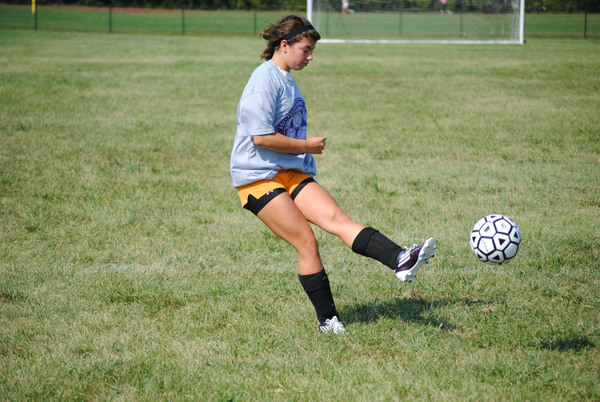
[(298, 55)]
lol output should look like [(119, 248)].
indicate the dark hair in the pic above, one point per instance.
[(291, 28)]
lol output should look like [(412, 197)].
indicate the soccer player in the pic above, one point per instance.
[(273, 168), (346, 7)]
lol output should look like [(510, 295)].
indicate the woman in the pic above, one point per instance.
[(272, 168)]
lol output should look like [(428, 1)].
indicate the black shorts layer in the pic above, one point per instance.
[(255, 205)]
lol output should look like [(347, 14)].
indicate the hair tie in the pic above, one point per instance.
[(295, 32)]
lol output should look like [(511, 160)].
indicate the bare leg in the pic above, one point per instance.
[(283, 217), (320, 208)]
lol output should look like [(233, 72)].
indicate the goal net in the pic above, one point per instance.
[(418, 21)]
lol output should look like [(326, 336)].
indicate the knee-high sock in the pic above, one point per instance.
[(371, 243), (318, 290)]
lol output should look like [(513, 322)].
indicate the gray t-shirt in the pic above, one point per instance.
[(271, 102)]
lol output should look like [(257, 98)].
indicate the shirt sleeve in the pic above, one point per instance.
[(257, 113)]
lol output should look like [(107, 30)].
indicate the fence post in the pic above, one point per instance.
[(110, 17), (255, 19), (400, 21), (462, 14), (182, 21), (587, 5)]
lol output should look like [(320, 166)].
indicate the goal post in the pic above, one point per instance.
[(419, 21)]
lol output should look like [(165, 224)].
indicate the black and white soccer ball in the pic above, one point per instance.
[(495, 239)]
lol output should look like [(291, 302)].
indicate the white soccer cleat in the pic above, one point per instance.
[(332, 325), (412, 259)]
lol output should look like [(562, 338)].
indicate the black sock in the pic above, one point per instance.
[(318, 290), (371, 243)]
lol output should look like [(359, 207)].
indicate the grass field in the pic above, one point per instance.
[(129, 271)]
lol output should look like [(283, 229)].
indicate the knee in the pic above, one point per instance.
[(306, 243), (344, 227), (339, 220)]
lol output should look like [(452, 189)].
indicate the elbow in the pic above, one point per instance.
[(265, 140), (258, 140)]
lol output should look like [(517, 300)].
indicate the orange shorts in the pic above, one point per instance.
[(255, 196)]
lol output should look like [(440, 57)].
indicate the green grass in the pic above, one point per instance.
[(129, 271)]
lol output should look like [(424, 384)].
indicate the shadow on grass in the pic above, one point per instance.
[(574, 343), (409, 310)]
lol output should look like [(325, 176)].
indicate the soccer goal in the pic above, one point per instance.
[(419, 21)]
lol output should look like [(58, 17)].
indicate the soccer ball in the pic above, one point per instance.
[(495, 239)]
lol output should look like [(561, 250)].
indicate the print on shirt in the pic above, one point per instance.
[(293, 124)]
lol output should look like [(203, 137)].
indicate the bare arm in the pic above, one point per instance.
[(280, 143)]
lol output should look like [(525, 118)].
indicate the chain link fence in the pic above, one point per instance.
[(203, 19)]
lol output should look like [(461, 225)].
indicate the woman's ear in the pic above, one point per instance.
[(284, 45)]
